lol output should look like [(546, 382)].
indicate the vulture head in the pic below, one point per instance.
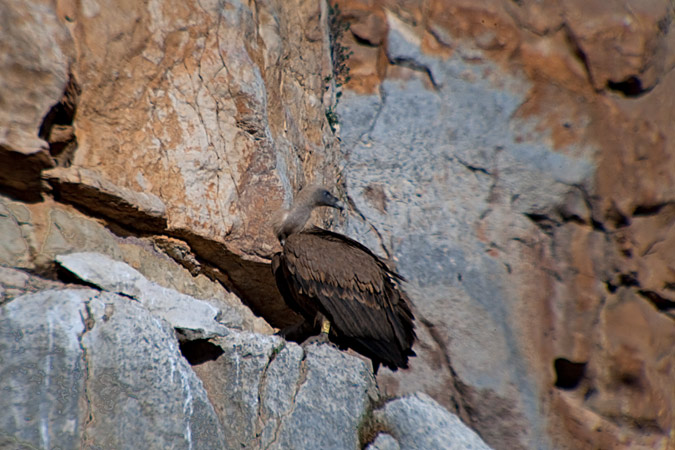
[(295, 219)]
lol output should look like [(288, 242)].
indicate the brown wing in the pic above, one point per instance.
[(355, 290)]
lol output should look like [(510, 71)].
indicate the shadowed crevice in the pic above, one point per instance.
[(57, 125), (67, 277), (578, 52), (661, 303), (568, 374), (649, 210), (130, 213), (23, 182), (545, 223), (96, 196), (629, 87), (460, 395), (200, 351), (251, 281), (629, 279), (416, 66)]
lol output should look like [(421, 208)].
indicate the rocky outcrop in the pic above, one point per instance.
[(36, 50), (121, 368), (181, 311), (407, 421), (98, 370), (514, 160)]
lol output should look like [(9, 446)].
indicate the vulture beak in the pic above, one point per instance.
[(331, 201), (337, 205)]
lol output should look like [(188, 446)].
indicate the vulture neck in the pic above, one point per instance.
[(294, 221)]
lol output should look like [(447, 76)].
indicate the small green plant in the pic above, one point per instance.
[(332, 117), (339, 56)]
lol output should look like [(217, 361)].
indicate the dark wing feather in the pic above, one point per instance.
[(354, 289), (285, 285)]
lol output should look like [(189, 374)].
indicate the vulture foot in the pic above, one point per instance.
[(318, 340)]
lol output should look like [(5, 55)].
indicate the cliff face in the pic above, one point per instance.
[(223, 100), (515, 159), (518, 160)]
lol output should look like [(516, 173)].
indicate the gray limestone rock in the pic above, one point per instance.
[(333, 395), (234, 382), (278, 393), (141, 392), (42, 369), (14, 282), (384, 441), (193, 317), (418, 422), (469, 177), (81, 367), (271, 394), (14, 249)]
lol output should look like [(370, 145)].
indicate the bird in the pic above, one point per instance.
[(340, 287)]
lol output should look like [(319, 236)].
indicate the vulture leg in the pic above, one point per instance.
[(325, 326), (322, 338)]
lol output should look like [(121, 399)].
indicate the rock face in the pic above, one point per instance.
[(530, 160), (104, 352), (515, 160), (34, 68), (112, 369)]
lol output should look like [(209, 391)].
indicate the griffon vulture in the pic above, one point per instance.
[(338, 284)]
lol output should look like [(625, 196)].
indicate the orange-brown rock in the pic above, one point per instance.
[(515, 159), (590, 297), (187, 120), (34, 68)]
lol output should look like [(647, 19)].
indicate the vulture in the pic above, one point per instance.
[(340, 287)]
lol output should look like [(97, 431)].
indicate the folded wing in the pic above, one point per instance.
[(322, 271)]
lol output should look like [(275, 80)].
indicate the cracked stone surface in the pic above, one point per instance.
[(234, 381), (43, 369), (137, 373), (270, 394), (279, 392), (180, 310), (457, 180), (335, 411), (202, 146), (213, 116), (81, 367), (86, 367)]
